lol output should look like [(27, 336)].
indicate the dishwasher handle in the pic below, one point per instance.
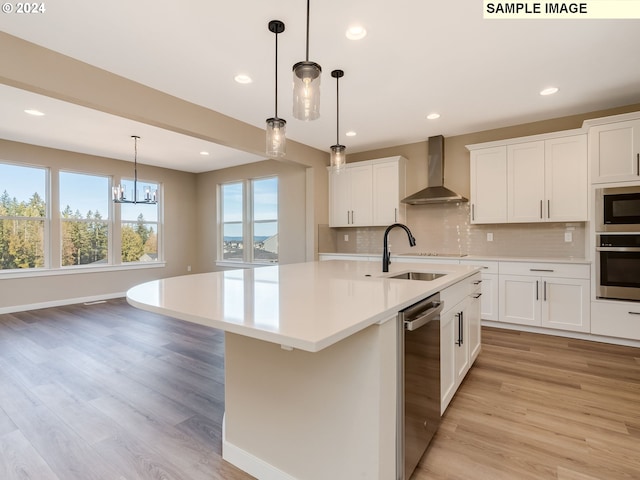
[(424, 318)]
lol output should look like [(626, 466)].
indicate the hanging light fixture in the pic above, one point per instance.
[(119, 195), (338, 154), (306, 86), (276, 127)]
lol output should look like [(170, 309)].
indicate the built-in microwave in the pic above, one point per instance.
[(618, 209)]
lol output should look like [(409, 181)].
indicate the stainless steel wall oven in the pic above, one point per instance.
[(618, 266)]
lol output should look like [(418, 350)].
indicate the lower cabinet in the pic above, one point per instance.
[(545, 295), (459, 335), (616, 319)]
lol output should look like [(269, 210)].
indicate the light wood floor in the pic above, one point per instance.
[(111, 392)]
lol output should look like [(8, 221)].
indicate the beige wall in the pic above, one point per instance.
[(179, 234), (291, 209), (445, 228)]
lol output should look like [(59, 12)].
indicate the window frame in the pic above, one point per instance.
[(52, 248), (248, 222), (46, 237)]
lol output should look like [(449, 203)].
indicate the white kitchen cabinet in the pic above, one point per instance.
[(520, 181), (615, 151), (525, 182), (545, 295), (389, 187), (460, 337), (489, 185), (367, 193), (616, 319), (351, 196)]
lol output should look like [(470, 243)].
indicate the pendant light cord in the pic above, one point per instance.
[(308, 2), (276, 95), (135, 168), (337, 111)]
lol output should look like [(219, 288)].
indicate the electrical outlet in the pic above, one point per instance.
[(188, 268), (568, 237), (346, 237), (489, 237)]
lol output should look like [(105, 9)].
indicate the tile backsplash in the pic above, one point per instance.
[(445, 228)]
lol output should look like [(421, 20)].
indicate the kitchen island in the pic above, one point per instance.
[(311, 360)]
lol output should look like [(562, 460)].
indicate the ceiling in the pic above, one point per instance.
[(418, 57)]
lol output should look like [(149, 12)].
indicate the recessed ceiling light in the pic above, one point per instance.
[(35, 113), (204, 154), (548, 91), (356, 32), (433, 116), (350, 133), (243, 79)]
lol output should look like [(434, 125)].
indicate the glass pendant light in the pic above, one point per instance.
[(338, 152), (119, 194), (276, 127), (306, 86)]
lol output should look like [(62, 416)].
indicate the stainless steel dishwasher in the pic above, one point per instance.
[(419, 385)]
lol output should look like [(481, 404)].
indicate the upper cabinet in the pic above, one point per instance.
[(520, 181), (368, 193), (615, 151)]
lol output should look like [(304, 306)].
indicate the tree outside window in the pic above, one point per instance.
[(23, 216), (139, 226)]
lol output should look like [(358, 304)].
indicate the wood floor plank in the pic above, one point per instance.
[(20, 461)]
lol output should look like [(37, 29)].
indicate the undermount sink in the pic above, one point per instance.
[(424, 276)]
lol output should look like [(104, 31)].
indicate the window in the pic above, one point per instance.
[(140, 224), (23, 216), (84, 219), (256, 226)]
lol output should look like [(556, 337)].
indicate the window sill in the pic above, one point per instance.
[(48, 272)]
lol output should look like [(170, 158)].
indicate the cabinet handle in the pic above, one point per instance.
[(541, 209), (348, 222), (459, 341), (537, 290), (473, 212), (638, 163), (477, 296), (544, 291), (395, 215), (461, 328), (478, 282), (548, 208), (634, 313), (540, 270), (353, 218)]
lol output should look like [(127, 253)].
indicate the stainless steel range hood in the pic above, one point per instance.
[(436, 192)]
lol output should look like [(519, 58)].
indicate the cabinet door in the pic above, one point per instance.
[(520, 300), (565, 304), (387, 186), (525, 182), (461, 344), (473, 320), (339, 194), (489, 301), (361, 195), (566, 187), (489, 185), (448, 337), (615, 150)]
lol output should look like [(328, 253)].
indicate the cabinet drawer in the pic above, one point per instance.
[(567, 270), (619, 319), (488, 266), (457, 292)]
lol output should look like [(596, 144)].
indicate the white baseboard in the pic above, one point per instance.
[(563, 333), (249, 463), (59, 303)]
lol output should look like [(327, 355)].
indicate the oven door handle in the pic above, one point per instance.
[(617, 249)]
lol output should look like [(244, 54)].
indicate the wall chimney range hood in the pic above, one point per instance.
[(436, 192)]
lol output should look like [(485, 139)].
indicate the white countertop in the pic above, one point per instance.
[(308, 306)]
